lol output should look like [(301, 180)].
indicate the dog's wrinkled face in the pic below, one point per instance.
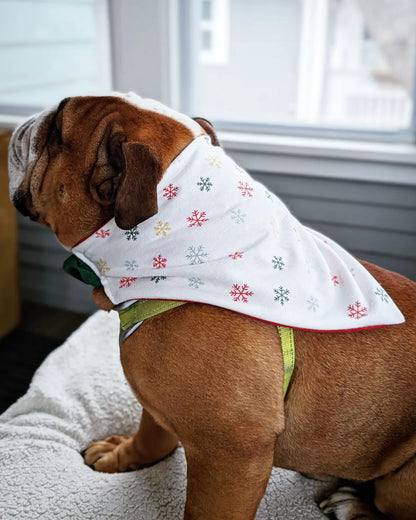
[(88, 159)]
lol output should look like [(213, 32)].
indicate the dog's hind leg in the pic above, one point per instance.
[(121, 453), (396, 492)]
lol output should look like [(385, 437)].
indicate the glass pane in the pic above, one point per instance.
[(206, 40), (50, 50), (206, 13), (322, 63)]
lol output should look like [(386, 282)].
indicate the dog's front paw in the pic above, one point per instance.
[(346, 504), (112, 455)]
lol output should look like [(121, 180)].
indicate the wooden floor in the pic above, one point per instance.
[(40, 331)]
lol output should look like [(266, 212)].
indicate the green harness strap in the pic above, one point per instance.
[(143, 309), (287, 340)]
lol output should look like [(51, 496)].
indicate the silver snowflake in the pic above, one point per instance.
[(196, 255), (278, 263), (382, 294), (132, 233), (195, 282), (313, 304), (281, 295), (131, 265), (238, 216), (205, 184)]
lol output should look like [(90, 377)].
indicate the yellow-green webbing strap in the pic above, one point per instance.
[(143, 309), (287, 340)]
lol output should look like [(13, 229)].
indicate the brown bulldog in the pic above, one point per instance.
[(212, 378)]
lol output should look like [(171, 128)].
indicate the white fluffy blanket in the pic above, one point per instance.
[(77, 395)]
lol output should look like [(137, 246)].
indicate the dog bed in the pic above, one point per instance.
[(79, 394)]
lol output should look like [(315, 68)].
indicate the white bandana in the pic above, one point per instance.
[(222, 238)]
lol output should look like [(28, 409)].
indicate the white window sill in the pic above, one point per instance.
[(392, 163)]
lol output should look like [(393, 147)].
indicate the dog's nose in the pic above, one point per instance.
[(22, 203)]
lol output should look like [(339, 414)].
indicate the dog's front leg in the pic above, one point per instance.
[(120, 453), (227, 482)]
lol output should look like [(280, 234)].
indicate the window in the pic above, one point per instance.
[(50, 50), (215, 31), (305, 66)]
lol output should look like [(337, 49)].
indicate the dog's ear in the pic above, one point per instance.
[(136, 198), (209, 129)]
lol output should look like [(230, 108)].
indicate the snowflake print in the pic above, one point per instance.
[(157, 279), (297, 235), (196, 255), (240, 294), (162, 228), (159, 262), (237, 255), (239, 169), (103, 266), (268, 195), (130, 265), (281, 295), (313, 304), (205, 184), (245, 188), (275, 229), (213, 160), (197, 218), (102, 233), (382, 294), (238, 216), (278, 263), (132, 234), (357, 311), (126, 282), (170, 191), (195, 282), (335, 279)]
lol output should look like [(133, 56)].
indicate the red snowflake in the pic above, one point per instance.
[(197, 218), (126, 281), (159, 262), (246, 189), (236, 255), (335, 279), (240, 294), (170, 191), (102, 233), (357, 311)]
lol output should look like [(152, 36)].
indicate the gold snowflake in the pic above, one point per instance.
[(103, 266), (213, 160), (275, 229), (162, 228)]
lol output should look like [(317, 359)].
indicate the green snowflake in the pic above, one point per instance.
[(132, 233), (205, 184), (281, 295), (278, 263)]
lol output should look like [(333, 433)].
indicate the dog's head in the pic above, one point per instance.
[(91, 158)]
